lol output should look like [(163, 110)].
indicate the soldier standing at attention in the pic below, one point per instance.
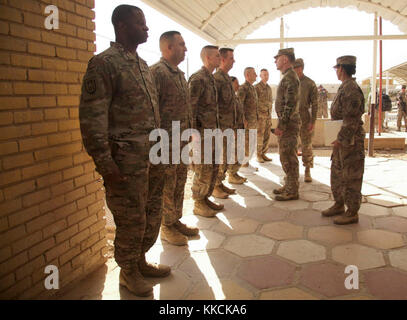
[(348, 156), (227, 115), (248, 97), (118, 110), (308, 100), (264, 120), (402, 108), (173, 97), (233, 170), (322, 102), (289, 122), (204, 103)]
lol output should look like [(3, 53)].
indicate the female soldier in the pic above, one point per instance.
[(348, 156)]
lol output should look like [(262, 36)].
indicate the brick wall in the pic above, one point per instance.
[(51, 202)]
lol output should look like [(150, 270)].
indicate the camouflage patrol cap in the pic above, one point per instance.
[(299, 63), (285, 52), (345, 60), (403, 86)]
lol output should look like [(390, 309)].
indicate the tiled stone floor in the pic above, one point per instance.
[(258, 248)]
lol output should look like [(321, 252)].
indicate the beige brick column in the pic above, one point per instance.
[(51, 201)]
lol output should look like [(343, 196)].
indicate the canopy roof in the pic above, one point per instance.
[(220, 20), (399, 73)]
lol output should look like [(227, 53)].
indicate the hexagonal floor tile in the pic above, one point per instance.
[(358, 255), (206, 240), (301, 251), (322, 205), (386, 201), (400, 211), (256, 202), (287, 294), (219, 290), (398, 258), (380, 239), (267, 214), (387, 284), (373, 210), (236, 226), (325, 278), (212, 264), (268, 272), (282, 231), (395, 224), (292, 205), (309, 218), (249, 245), (199, 222), (167, 254), (172, 287), (330, 235), (314, 196)]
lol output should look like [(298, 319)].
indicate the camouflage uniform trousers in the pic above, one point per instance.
[(205, 176), (233, 169), (400, 116), (306, 146), (173, 193), (263, 134), (322, 110), (251, 125), (288, 147), (347, 168), (136, 206)]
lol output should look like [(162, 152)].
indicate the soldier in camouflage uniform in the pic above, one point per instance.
[(249, 99), (174, 104), (322, 103), (265, 107), (118, 110), (348, 156), (233, 169), (402, 108), (204, 103), (289, 122), (227, 115), (308, 100)]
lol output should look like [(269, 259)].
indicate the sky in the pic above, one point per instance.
[(319, 57)]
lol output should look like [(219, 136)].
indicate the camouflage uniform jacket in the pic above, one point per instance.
[(349, 105), (226, 100), (204, 100), (265, 98), (308, 99), (240, 119), (118, 105), (287, 100), (248, 97), (402, 101), (322, 96), (173, 95)]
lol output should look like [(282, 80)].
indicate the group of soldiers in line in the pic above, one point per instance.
[(123, 100)]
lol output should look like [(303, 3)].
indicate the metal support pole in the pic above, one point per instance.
[(381, 80), (387, 82), (281, 33), (373, 93)]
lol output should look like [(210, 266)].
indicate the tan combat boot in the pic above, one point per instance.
[(202, 209), (287, 196), (279, 190), (336, 209), (173, 236), (135, 282), (245, 165), (307, 176), (227, 190), (236, 179), (266, 158), (214, 205), (348, 217), (154, 270), (219, 193), (186, 230), (260, 158)]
